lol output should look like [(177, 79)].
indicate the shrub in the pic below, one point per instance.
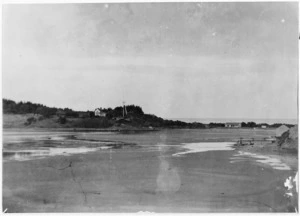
[(93, 123), (62, 120), (40, 118), (29, 121)]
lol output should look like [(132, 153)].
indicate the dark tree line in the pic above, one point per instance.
[(254, 125), (139, 118), (135, 114), (249, 125), (10, 106), (216, 125), (132, 110)]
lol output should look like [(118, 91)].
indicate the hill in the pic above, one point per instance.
[(27, 114), (289, 139)]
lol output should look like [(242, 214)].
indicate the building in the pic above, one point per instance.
[(233, 125), (264, 125), (100, 112), (280, 130)]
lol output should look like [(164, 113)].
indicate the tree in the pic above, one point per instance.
[(92, 114), (62, 120)]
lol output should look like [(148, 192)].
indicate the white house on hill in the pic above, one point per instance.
[(280, 130), (99, 112)]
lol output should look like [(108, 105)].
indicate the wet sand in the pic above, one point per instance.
[(271, 150), (142, 177)]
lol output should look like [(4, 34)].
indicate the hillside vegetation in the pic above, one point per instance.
[(27, 114), (11, 107)]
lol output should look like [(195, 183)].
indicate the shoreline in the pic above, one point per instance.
[(273, 151), (290, 157), (81, 129), (118, 129)]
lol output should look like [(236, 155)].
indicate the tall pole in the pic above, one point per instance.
[(123, 110)]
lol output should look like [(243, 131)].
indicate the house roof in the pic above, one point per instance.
[(100, 110)]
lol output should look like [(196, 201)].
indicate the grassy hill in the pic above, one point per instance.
[(30, 115), (27, 115)]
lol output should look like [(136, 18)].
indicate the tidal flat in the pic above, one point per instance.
[(179, 170)]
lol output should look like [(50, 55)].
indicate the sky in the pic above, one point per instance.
[(175, 60)]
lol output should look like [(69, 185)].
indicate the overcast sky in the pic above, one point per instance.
[(175, 60)]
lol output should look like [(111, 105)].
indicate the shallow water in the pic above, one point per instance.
[(164, 171)]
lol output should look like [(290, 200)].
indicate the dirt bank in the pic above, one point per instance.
[(284, 148)]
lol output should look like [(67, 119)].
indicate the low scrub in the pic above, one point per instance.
[(29, 121), (62, 120), (92, 123)]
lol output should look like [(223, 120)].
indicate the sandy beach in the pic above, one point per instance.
[(154, 172)]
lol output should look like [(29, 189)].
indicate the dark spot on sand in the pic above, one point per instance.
[(94, 193)]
